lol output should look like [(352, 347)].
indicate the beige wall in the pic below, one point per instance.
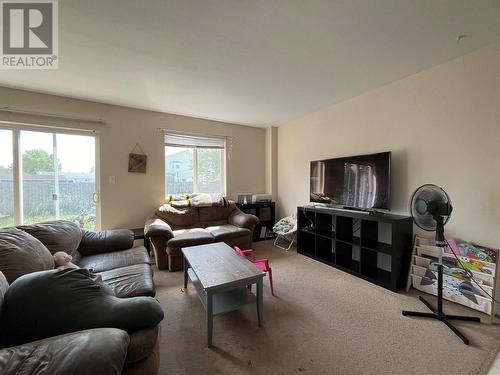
[(443, 127), (128, 202), (272, 161)]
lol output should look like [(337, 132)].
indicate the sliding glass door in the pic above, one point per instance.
[(38, 177), (76, 179), (56, 179), (6, 179)]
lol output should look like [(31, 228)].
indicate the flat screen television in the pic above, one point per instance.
[(362, 182)]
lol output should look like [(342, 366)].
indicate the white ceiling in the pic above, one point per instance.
[(254, 62)]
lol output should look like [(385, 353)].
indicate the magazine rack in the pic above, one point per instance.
[(458, 287)]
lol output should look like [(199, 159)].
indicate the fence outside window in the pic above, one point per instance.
[(74, 197)]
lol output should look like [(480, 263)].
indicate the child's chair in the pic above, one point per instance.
[(262, 264)]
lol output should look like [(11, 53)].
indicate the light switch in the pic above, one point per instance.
[(112, 180)]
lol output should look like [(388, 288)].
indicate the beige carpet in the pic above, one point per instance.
[(323, 321)]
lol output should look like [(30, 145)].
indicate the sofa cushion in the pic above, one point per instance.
[(108, 261), (215, 215), (57, 235), (142, 343), (21, 253), (50, 303), (94, 351), (130, 281), (179, 217), (190, 237), (226, 231)]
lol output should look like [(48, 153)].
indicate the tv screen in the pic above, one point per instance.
[(362, 181)]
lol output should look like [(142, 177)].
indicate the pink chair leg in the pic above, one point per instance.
[(270, 273)]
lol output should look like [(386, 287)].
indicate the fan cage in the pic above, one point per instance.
[(427, 222)]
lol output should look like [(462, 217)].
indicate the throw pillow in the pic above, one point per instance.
[(21, 253), (57, 235)]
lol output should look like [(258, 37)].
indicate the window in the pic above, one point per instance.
[(6, 179), (54, 178), (194, 164)]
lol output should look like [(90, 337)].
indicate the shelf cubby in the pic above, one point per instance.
[(356, 253), (376, 236), (369, 263), (306, 220), (343, 255), (384, 262), (369, 233), (344, 228), (374, 247), (307, 242), (379, 276), (325, 225), (324, 249)]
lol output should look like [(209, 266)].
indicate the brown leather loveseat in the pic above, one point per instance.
[(170, 229)]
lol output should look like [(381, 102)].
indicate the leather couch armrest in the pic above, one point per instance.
[(106, 241), (160, 233), (155, 227), (143, 343), (240, 219), (67, 301)]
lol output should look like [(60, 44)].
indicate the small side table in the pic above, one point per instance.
[(139, 234)]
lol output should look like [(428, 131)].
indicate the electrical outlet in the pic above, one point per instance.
[(112, 180)]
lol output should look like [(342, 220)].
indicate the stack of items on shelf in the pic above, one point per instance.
[(460, 260)]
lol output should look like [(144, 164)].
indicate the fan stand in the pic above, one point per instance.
[(437, 313)]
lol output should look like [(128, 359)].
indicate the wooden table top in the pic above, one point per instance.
[(218, 265)]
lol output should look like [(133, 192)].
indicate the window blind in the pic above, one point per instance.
[(181, 140)]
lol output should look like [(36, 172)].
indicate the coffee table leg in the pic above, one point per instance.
[(185, 273), (210, 318), (260, 303)]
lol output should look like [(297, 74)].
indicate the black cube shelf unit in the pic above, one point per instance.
[(373, 246), (265, 211)]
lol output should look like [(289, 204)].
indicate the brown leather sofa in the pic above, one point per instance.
[(126, 270), (110, 254), (170, 229)]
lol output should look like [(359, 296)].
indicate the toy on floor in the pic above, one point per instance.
[(262, 264), (63, 260)]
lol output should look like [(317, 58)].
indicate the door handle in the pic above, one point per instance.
[(95, 197)]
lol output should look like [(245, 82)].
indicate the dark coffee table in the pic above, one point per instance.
[(220, 278)]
